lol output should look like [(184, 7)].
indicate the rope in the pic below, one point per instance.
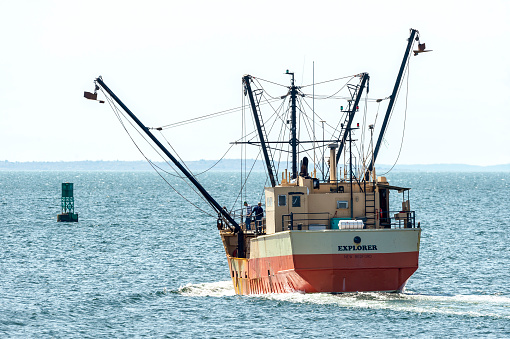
[(274, 83), (323, 82), (325, 123), (341, 88), (405, 117), (118, 114), (203, 117), (217, 162), (243, 185), (322, 97)]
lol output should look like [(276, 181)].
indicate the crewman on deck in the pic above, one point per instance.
[(248, 213), (259, 213)]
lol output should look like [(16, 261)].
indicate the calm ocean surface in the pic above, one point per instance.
[(143, 262)]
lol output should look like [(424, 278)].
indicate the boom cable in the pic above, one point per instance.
[(118, 113), (405, 116)]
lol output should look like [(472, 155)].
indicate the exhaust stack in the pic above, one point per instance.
[(332, 162)]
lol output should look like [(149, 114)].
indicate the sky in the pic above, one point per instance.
[(175, 60)]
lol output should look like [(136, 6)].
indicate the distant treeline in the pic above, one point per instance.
[(223, 166), (195, 166)]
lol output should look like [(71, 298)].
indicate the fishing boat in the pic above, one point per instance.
[(333, 234)]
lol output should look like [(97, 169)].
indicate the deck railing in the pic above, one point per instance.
[(397, 219), (240, 214), (300, 221), (306, 221), (388, 219)]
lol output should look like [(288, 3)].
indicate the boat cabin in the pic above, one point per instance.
[(307, 204)]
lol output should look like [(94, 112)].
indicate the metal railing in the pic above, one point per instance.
[(240, 215), (303, 221), (299, 221), (397, 219)]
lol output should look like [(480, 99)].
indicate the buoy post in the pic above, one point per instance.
[(67, 203)]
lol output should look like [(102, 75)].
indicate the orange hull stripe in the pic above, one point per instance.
[(260, 266), (324, 273)]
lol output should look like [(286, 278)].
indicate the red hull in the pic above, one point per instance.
[(333, 273)]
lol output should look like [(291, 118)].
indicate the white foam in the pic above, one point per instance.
[(496, 306), (461, 298), (469, 305), (214, 289)]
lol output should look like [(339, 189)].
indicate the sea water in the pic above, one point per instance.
[(144, 261)]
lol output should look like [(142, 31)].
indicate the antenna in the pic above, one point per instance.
[(293, 139), (313, 116)]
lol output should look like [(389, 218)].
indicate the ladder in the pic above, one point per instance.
[(370, 213)]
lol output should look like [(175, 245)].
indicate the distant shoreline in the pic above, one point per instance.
[(225, 165)]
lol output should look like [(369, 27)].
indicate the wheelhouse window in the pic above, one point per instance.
[(296, 201), (282, 200)]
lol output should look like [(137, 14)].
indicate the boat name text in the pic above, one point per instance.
[(358, 248)]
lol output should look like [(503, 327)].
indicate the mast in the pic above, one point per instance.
[(246, 80), (364, 80), (293, 126), (393, 95), (313, 117), (207, 196), (350, 172)]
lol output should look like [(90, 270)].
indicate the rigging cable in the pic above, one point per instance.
[(277, 116), (323, 82), (281, 134), (332, 95), (243, 147), (363, 130), (405, 117), (243, 184), (330, 126), (271, 82), (184, 163), (247, 175), (203, 117), (153, 165), (263, 190), (308, 129), (279, 97), (265, 135), (166, 161), (116, 112)]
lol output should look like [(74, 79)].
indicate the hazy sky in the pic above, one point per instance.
[(173, 60)]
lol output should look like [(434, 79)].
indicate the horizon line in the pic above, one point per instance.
[(237, 159)]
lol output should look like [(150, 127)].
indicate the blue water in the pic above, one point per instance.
[(144, 262)]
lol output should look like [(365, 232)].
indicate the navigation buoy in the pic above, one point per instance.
[(67, 203)]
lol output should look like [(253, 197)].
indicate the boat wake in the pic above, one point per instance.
[(215, 289), (493, 306)]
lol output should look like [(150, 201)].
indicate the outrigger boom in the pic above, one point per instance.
[(237, 229)]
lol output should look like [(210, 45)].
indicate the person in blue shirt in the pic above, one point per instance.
[(258, 211), (248, 213)]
